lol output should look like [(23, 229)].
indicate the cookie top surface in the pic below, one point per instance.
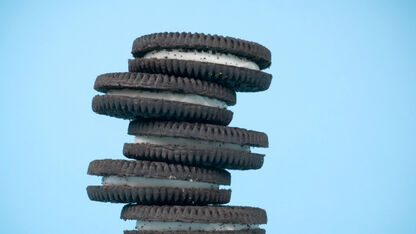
[(160, 82), (109, 167), (202, 42), (198, 214), (199, 131)]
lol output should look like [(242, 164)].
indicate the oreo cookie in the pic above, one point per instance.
[(202, 42), (195, 219), (232, 62), (145, 182), (195, 144), (142, 95)]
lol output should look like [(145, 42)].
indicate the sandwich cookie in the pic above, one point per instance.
[(195, 219), (232, 62), (142, 95), (196, 144), (145, 182)]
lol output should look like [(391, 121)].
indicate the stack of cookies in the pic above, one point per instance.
[(176, 95)]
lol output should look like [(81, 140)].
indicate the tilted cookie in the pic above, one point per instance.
[(142, 95), (195, 219), (195, 144), (230, 61), (145, 182)]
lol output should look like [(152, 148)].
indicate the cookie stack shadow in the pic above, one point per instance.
[(176, 95)]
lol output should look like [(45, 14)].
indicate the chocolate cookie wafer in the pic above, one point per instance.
[(232, 62), (195, 219), (145, 182), (142, 95), (195, 144)]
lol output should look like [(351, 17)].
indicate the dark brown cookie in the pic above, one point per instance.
[(148, 169), (197, 214), (181, 185), (134, 107), (159, 82), (237, 78), (199, 41), (158, 195), (195, 156), (198, 131)]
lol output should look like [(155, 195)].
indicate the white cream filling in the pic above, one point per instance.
[(135, 181), (155, 140), (182, 226), (203, 56), (170, 96)]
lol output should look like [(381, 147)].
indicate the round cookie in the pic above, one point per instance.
[(238, 78), (195, 219), (145, 182), (199, 41), (142, 95), (232, 62), (195, 144), (194, 155)]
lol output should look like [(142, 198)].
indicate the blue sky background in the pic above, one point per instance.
[(340, 113)]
